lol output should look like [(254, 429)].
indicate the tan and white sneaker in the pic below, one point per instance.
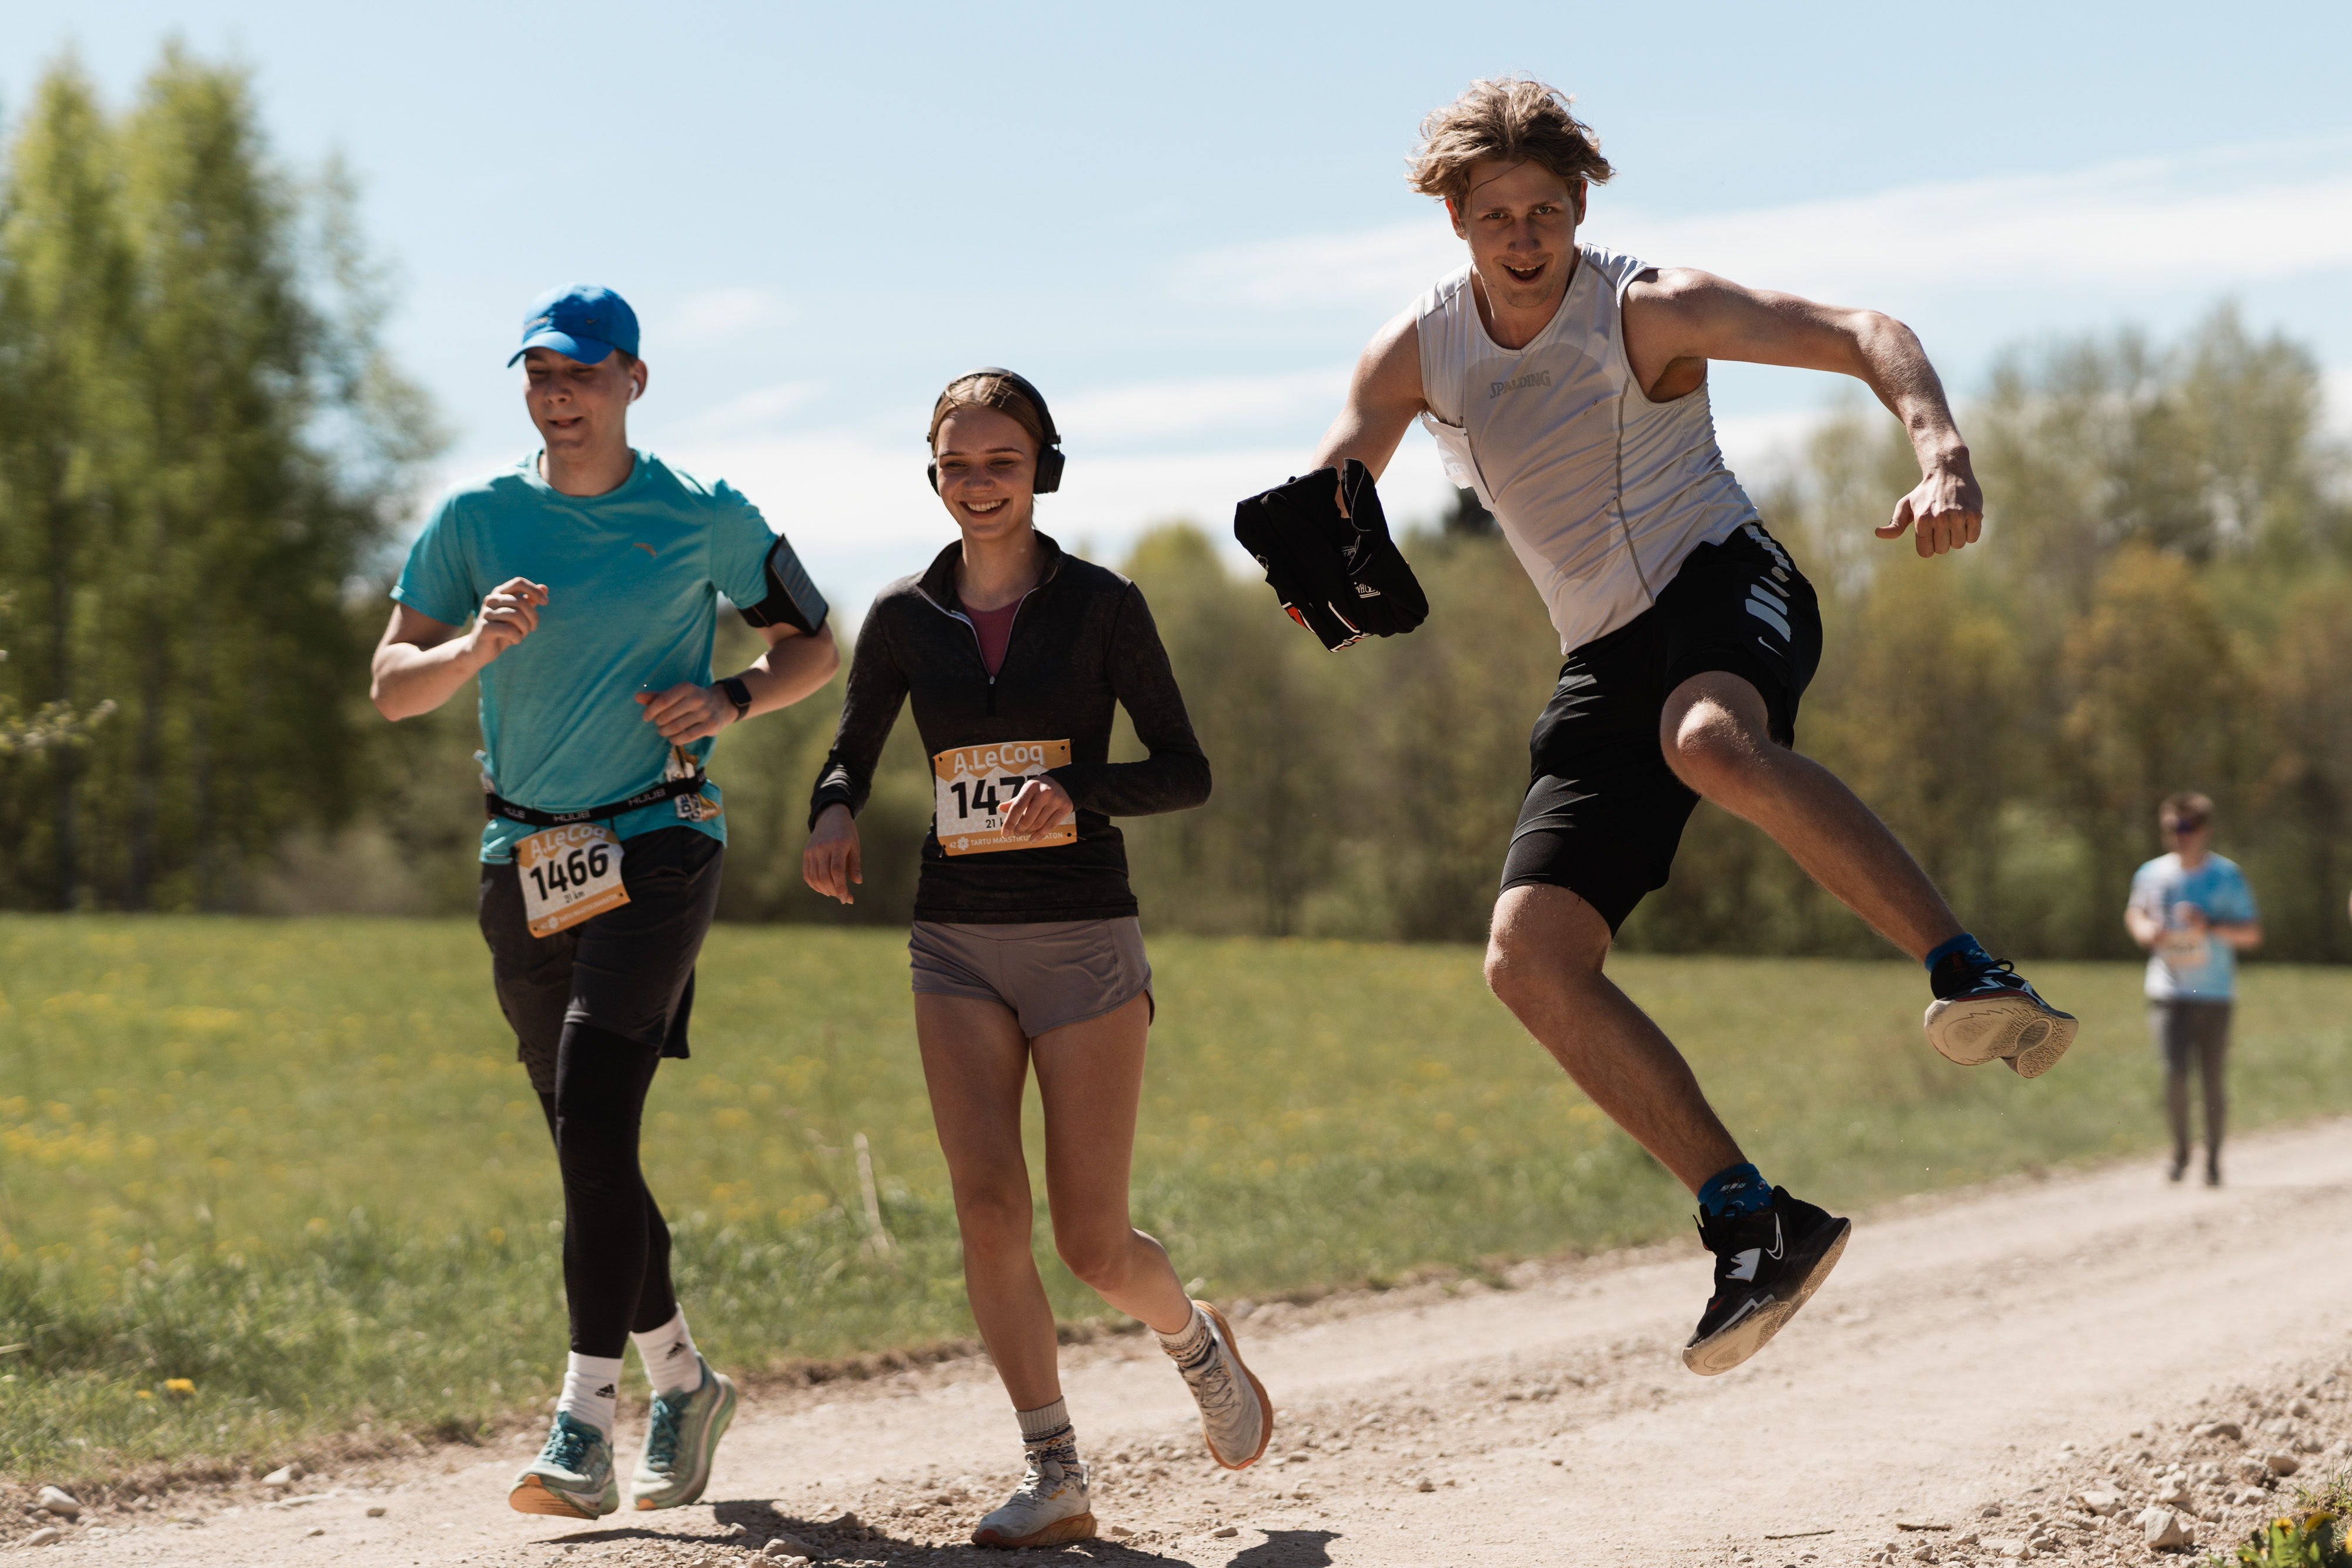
[(1236, 1417), (1048, 1507)]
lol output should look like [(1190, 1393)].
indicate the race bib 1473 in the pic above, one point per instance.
[(569, 874), (976, 786)]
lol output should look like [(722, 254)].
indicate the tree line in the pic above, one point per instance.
[(205, 454), (202, 444)]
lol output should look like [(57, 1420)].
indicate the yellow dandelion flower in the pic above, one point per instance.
[(180, 1385)]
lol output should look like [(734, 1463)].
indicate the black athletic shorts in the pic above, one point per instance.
[(1604, 812), (629, 970)]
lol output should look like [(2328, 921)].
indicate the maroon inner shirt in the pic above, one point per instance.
[(995, 629)]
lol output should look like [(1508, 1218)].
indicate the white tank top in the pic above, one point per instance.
[(1602, 492)]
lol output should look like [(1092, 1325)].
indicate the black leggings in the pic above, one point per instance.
[(616, 1247)]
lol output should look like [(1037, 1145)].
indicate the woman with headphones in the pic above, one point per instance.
[(1026, 948)]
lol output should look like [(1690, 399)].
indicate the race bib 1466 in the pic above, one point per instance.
[(977, 785), (569, 874)]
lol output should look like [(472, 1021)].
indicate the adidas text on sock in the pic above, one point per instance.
[(591, 1389), (672, 1363)]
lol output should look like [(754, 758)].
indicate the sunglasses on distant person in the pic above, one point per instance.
[(2185, 825)]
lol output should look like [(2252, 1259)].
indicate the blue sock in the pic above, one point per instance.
[(1953, 967), (1736, 1190), (1965, 948)]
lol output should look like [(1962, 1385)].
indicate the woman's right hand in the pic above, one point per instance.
[(829, 864)]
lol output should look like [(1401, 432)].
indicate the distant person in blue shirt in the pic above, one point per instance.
[(590, 573), (2192, 910)]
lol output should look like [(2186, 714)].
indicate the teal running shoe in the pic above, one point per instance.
[(573, 1476), (680, 1440)]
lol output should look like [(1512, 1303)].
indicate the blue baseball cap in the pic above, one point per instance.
[(580, 319)]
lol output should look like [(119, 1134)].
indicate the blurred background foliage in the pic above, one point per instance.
[(202, 445), (204, 455)]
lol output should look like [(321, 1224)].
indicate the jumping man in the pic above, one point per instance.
[(591, 572), (1567, 385)]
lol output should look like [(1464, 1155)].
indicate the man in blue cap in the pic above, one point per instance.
[(590, 573)]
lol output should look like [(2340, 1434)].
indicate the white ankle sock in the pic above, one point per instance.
[(1046, 1433), (591, 1387), (1189, 1343), (672, 1363)]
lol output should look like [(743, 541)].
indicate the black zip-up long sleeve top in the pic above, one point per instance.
[(1081, 640)]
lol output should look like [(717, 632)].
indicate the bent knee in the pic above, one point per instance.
[(1544, 939), (1716, 756), (1507, 974), (1099, 1262)]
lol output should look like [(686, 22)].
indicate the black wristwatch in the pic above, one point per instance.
[(737, 693)]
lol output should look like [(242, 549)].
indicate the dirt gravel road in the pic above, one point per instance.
[(1977, 1362)]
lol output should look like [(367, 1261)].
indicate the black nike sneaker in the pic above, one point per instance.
[(1766, 1265)]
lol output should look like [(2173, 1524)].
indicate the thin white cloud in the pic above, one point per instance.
[(716, 315), (2140, 226), (756, 412), (2208, 220), (1145, 412), (1383, 267)]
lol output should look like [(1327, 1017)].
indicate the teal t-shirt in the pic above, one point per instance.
[(632, 577)]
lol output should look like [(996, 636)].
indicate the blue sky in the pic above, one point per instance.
[(1184, 223)]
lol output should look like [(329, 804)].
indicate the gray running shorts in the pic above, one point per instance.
[(1048, 972)]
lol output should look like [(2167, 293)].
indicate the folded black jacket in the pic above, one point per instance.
[(1082, 640)]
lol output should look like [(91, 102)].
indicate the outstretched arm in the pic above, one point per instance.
[(1678, 319), (1383, 397)]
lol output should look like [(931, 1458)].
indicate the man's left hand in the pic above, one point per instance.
[(1946, 512), (687, 713)]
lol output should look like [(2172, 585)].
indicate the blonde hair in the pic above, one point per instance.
[(981, 390), (1509, 120)]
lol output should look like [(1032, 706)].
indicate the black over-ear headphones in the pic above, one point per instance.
[(1049, 450)]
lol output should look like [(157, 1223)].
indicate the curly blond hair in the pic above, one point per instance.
[(1511, 120)]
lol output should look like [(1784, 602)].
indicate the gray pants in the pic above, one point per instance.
[(2193, 1032)]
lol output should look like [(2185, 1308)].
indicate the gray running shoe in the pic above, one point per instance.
[(1048, 1507), (573, 1476), (681, 1436), (1236, 1417), (1997, 1014)]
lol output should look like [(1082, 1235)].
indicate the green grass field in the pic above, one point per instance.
[(295, 1164)]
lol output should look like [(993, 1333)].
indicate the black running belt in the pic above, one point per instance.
[(668, 789)]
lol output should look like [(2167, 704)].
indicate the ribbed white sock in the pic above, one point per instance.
[(591, 1387), (1188, 1344), (672, 1363), (1046, 1433)]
